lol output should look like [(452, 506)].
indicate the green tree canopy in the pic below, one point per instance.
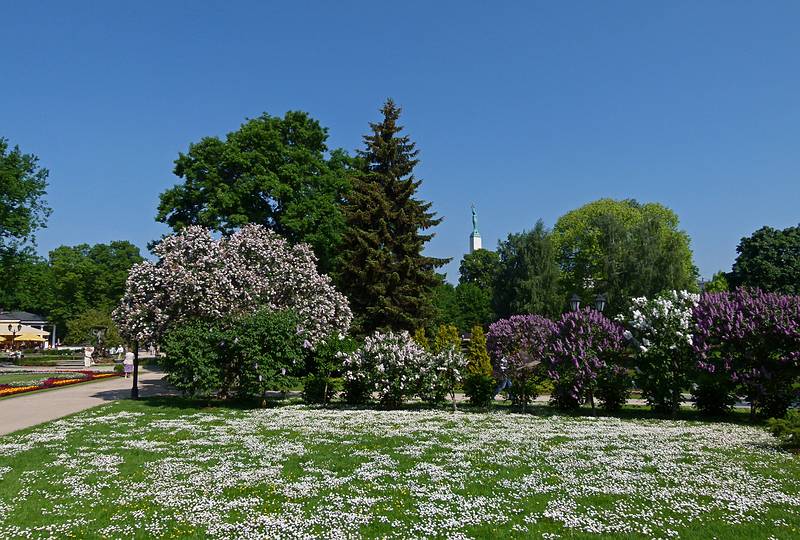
[(474, 305), (271, 171), (480, 268), (22, 211), (463, 306), (23, 185), (27, 281), (622, 249), (770, 260), (85, 278), (445, 305), (718, 283), (79, 328), (384, 274), (528, 280)]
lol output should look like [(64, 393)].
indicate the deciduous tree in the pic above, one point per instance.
[(272, 171), (769, 259), (23, 185), (622, 249)]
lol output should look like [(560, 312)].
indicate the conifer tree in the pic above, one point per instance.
[(420, 337), (446, 336), (384, 274), (477, 356), (479, 384)]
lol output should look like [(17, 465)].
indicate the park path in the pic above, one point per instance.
[(25, 410)]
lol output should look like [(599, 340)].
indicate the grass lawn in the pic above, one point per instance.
[(170, 468)]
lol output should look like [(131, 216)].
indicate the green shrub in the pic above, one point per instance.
[(356, 391), (613, 388), (327, 356), (264, 352), (322, 362), (479, 383), (118, 368), (192, 358), (480, 389), (787, 429), (79, 329), (545, 387), (713, 396), (319, 388), (778, 394), (525, 389), (242, 356)]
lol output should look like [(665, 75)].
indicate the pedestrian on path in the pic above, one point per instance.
[(127, 364), (87, 356)]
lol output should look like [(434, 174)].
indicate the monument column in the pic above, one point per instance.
[(475, 237)]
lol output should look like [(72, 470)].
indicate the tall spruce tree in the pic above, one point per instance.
[(387, 279)]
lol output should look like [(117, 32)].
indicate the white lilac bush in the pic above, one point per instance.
[(441, 374), (394, 367), (661, 330), (200, 277)]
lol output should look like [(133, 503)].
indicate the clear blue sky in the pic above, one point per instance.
[(529, 109)]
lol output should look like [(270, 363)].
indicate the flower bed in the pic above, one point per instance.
[(54, 382)]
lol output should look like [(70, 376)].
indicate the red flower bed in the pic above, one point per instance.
[(54, 382)]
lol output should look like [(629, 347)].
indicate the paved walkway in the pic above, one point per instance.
[(27, 410)]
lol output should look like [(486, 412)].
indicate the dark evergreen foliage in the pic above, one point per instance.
[(384, 274)]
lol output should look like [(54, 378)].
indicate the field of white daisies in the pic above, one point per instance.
[(165, 469)]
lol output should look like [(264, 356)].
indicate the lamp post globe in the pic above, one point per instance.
[(14, 333), (600, 302), (575, 302)]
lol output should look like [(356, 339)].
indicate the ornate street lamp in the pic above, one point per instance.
[(14, 329), (575, 302), (600, 302)]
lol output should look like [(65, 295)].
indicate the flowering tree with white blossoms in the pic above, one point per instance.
[(661, 330), (200, 277)]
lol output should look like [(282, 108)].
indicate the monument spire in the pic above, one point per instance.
[(475, 237)]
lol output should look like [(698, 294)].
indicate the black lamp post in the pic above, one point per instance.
[(600, 302), (14, 329), (575, 302), (135, 387)]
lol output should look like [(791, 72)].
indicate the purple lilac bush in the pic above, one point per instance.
[(584, 346), (747, 340), (519, 346)]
